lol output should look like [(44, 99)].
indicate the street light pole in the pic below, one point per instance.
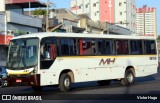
[(47, 15), (5, 27)]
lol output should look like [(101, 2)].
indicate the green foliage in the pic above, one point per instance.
[(19, 32), (39, 12), (158, 39)]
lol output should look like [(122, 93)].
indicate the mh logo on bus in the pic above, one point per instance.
[(107, 61)]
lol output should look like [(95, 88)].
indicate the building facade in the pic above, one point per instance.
[(119, 12), (146, 21)]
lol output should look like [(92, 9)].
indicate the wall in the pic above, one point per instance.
[(95, 10), (110, 11), (16, 27), (14, 8), (3, 58), (2, 5), (91, 11), (23, 19), (120, 12), (131, 15), (103, 10)]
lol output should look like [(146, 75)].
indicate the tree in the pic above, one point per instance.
[(158, 39), (39, 12)]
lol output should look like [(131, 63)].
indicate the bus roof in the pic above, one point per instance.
[(80, 35)]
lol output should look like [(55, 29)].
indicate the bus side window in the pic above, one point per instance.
[(48, 52), (119, 47), (108, 47), (53, 51), (125, 47), (88, 47), (147, 47), (101, 47), (93, 46), (68, 46), (80, 46), (153, 47), (136, 47), (150, 47), (140, 47)]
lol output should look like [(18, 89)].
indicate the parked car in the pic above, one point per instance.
[(3, 76)]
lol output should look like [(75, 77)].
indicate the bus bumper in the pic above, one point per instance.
[(31, 80)]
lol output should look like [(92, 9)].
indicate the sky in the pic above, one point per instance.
[(139, 3)]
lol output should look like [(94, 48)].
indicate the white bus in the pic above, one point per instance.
[(44, 59)]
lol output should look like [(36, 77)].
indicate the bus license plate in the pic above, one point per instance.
[(18, 80)]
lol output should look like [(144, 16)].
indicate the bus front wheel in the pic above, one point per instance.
[(128, 80), (65, 82)]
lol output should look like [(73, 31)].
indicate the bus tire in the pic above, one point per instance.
[(128, 80), (65, 82), (104, 82), (37, 88)]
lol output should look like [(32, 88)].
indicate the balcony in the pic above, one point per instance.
[(13, 17)]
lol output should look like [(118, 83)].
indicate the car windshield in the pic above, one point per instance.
[(22, 53)]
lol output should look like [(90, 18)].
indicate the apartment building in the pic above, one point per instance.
[(146, 21), (119, 12)]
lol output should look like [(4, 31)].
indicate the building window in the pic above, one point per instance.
[(120, 13), (87, 6), (120, 22), (79, 7), (95, 13), (120, 4), (94, 5)]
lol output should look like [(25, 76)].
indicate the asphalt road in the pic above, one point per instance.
[(145, 86)]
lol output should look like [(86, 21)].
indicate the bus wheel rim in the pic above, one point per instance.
[(67, 82), (130, 78)]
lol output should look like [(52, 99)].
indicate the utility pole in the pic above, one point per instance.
[(5, 27), (47, 16)]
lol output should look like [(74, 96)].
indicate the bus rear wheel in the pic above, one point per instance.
[(128, 80), (65, 82), (37, 88), (104, 82)]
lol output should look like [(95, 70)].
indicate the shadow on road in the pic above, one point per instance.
[(145, 79), (87, 86)]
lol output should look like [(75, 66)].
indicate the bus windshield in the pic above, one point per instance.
[(23, 53)]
